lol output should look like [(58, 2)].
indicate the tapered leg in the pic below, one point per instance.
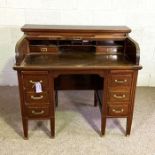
[(103, 125), (56, 98), (25, 128), (95, 99), (104, 103), (128, 125), (52, 124)]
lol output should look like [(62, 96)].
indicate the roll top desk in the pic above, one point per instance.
[(100, 58)]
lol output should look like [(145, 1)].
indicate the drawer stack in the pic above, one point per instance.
[(36, 104), (119, 93)]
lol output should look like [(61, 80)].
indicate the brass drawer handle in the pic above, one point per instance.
[(33, 82), (117, 111), (120, 81), (37, 97), (119, 96), (44, 49), (38, 113)]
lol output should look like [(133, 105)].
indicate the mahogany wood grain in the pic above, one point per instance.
[(99, 58)]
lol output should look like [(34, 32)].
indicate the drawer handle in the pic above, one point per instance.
[(119, 96), (38, 112), (36, 97), (43, 49), (117, 111), (120, 81), (33, 82)]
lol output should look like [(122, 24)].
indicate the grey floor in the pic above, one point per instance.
[(78, 127)]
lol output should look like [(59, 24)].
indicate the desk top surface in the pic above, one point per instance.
[(75, 61), (75, 28)]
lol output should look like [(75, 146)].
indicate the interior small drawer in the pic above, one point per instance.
[(121, 80), (37, 98), (29, 81), (118, 110), (43, 48), (119, 96), (108, 50), (38, 112)]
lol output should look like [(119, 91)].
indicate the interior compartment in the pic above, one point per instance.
[(64, 46)]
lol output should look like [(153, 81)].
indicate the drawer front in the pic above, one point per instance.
[(108, 50), (44, 49), (123, 80), (36, 98), (38, 112), (116, 96), (118, 110), (30, 80)]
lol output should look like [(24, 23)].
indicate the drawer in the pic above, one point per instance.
[(119, 96), (118, 110), (38, 112), (122, 80), (44, 49), (108, 50), (37, 98), (29, 81)]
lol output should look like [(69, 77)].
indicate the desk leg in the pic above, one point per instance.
[(103, 125), (56, 98), (25, 127), (52, 124), (130, 116), (104, 105), (128, 125), (53, 103), (24, 120), (95, 99)]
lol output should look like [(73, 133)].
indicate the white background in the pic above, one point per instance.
[(139, 15)]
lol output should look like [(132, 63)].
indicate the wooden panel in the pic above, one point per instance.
[(38, 112), (121, 80), (29, 81), (78, 82), (108, 50), (118, 103), (75, 62), (44, 49), (75, 49), (21, 50), (117, 110), (36, 98), (71, 28), (118, 96), (132, 51)]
